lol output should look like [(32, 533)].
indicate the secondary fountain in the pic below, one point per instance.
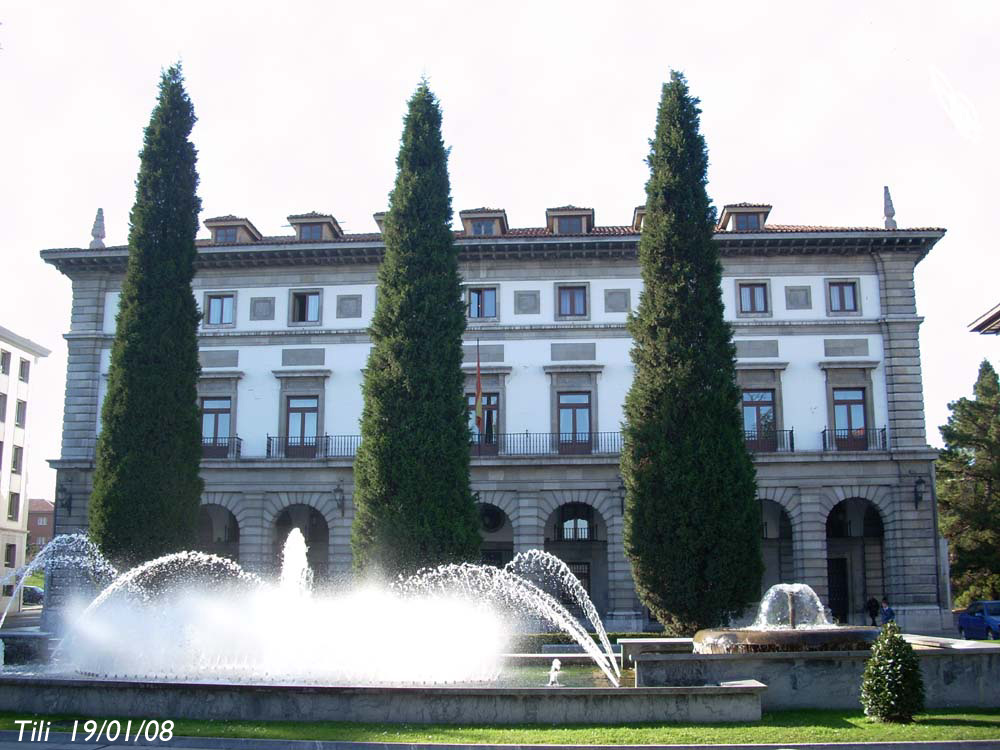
[(790, 617)]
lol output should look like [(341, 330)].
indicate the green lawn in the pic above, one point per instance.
[(778, 727), (36, 579)]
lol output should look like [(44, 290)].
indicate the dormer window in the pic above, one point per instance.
[(315, 227), (483, 222), (746, 222), (225, 235), (311, 232), (744, 217), (570, 224), (483, 227)]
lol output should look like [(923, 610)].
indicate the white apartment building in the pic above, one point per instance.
[(18, 356), (825, 327)]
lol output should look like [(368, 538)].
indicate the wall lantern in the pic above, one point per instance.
[(64, 498), (918, 491), (338, 497)]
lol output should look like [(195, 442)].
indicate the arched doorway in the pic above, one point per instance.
[(855, 558), (578, 535), (776, 545), (218, 532), (315, 530), (498, 535)]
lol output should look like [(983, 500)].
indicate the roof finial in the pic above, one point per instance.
[(890, 212), (98, 231)]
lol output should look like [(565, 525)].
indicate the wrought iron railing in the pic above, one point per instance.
[(577, 533), (546, 443), (229, 447), (318, 446), (862, 439), (769, 441)]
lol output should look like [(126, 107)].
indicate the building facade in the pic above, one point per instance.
[(18, 356), (825, 327), (41, 522)]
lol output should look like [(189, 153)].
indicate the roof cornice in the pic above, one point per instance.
[(368, 249)]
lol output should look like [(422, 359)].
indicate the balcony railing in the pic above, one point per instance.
[(319, 446), (576, 534), (229, 447), (769, 441), (546, 443), (862, 439)]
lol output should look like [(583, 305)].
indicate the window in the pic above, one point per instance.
[(482, 302), (24, 370), (753, 298), (483, 227), (10, 557), (305, 308), (225, 234), (221, 309), (849, 419), (301, 426), (843, 296), (4, 362), (572, 301), (42, 521), (485, 439), (311, 232), (13, 506), (570, 224), (17, 458), (216, 418), (747, 221), (574, 422), (3, 407), (758, 420), (575, 523), (21, 413)]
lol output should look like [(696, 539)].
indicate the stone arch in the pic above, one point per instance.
[(218, 530), (505, 500), (496, 528), (776, 544), (855, 530), (321, 502)]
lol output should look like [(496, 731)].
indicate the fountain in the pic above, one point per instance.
[(790, 618)]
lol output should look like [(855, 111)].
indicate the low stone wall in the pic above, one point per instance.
[(955, 676), (720, 703)]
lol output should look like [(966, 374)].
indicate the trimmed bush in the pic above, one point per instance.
[(892, 688)]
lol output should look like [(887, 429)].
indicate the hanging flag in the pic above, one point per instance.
[(479, 392)]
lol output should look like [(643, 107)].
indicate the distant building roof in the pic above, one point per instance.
[(40, 505), (988, 322)]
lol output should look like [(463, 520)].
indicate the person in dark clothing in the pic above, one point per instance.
[(887, 614), (872, 606)]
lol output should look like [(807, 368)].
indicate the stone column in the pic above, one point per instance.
[(808, 520), (529, 523), (255, 541)]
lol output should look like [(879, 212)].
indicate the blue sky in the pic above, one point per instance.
[(812, 107)]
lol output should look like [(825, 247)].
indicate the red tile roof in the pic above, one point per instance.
[(39, 505)]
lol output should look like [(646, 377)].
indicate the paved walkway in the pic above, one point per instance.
[(61, 741)]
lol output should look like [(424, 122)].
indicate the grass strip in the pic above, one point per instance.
[(774, 727)]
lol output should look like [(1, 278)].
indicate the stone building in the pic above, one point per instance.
[(825, 326), (41, 517), (18, 356)]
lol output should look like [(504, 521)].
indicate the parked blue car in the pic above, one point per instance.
[(980, 620)]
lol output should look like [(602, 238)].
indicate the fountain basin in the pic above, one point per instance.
[(735, 701), (753, 641)]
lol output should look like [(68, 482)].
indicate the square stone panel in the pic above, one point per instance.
[(617, 300), (527, 302), (798, 298), (348, 305), (262, 308)]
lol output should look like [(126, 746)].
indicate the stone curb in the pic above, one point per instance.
[(9, 736)]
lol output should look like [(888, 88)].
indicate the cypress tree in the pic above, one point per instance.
[(692, 521), (412, 497), (968, 490), (146, 484)]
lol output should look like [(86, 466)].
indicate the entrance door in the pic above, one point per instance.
[(836, 574)]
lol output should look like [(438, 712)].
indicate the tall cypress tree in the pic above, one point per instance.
[(692, 523), (412, 497), (968, 489), (146, 484)]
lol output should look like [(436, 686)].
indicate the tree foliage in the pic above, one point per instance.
[(146, 484), (692, 521), (968, 489), (412, 497), (892, 688)]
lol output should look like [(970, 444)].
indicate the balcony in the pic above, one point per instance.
[(546, 444), (862, 439), (770, 441), (578, 533), (319, 446), (230, 447)]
